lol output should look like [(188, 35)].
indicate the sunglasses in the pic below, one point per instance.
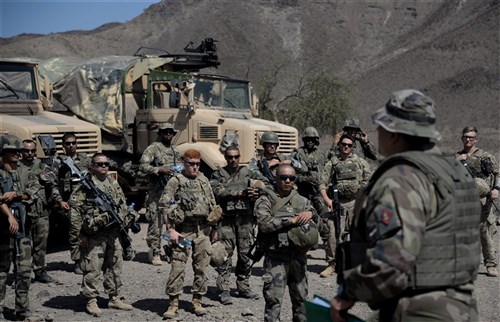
[(284, 177), (29, 150), (468, 137), (102, 164), (346, 144), (70, 143), (193, 164), (230, 157)]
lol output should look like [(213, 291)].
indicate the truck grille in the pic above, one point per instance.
[(208, 132), (88, 142), (288, 141)]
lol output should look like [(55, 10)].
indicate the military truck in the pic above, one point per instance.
[(129, 96), (25, 101)]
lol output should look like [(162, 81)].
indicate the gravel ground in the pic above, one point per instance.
[(144, 288)]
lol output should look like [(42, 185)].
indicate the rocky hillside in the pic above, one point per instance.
[(448, 49)]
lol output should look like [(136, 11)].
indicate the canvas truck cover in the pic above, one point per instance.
[(93, 90)]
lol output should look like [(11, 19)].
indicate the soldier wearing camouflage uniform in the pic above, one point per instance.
[(414, 244), (361, 147), (18, 190), (64, 186), (265, 163), (100, 246), (38, 212), (234, 193), (186, 204), (284, 263), (157, 161), (484, 167), (348, 173)]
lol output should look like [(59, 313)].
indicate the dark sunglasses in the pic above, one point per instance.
[(468, 137), (29, 150), (346, 144), (229, 157), (70, 143), (284, 177), (193, 164), (102, 164)]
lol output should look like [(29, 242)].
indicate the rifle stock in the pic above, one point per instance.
[(337, 210)]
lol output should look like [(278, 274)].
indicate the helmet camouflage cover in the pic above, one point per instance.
[(310, 132), (219, 254), (269, 137), (304, 237), (9, 142), (351, 123)]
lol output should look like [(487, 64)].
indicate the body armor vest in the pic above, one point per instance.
[(450, 252), (193, 196), (295, 205), (346, 180), (239, 181)]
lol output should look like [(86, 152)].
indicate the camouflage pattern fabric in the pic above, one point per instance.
[(328, 231), (156, 155), (283, 265), (62, 188), (350, 175), (484, 165), (100, 247), (25, 182), (191, 195), (40, 218), (255, 165), (397, 208), (236, 227)]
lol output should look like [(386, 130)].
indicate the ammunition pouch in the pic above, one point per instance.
[(176, 214)]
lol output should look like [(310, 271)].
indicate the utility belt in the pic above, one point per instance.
[(234, 214), (285, 253), (194, 224)]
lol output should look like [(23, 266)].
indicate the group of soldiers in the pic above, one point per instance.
[(402, 235)]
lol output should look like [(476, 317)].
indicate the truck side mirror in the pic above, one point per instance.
[(173, 100), (255, 105), (47, 100)]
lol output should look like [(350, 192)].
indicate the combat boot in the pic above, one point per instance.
[(198, 308), (117, 303), (225, 298), (43, 277), (92, 308), (248, 294), (491, 271), (156, 261), (173, 307), (328, 271)]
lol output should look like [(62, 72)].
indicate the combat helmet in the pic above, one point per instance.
[(9, 142), (408, 112), (310, 132), (351, 123), (269, 137), (165, 127), (304, 237), (219, 254)]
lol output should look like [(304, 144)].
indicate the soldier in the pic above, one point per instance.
[(265, 163), (186, 204), (414, 244), (346, 172), (484, 167), (64, 186), (18, 188), (233, 191), (38, 212), (283, 216), (158, 161), (362, 146), (100, 246)]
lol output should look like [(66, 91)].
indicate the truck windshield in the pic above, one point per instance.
[(17, 82), (222, 94)]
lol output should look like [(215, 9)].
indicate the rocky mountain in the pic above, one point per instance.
[(447, 49)]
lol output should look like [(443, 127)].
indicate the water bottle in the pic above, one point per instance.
[(181, 241), (177, 168), (131, 207)]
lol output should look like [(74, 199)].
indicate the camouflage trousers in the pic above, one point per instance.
[(282, 268), (75, 227), (235, 232), (18, 252), (449, 305), (327, 231), (40, 234), (101, 252), (155, 225), (200, 254), (487, 229)]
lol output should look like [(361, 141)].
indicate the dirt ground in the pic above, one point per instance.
[(144, 288)]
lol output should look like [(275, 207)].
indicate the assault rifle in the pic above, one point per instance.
[(337, 210), (267, 172), (19, 212), (254, 255), (102, 200)]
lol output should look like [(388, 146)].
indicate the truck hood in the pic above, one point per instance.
[(47, 122)]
